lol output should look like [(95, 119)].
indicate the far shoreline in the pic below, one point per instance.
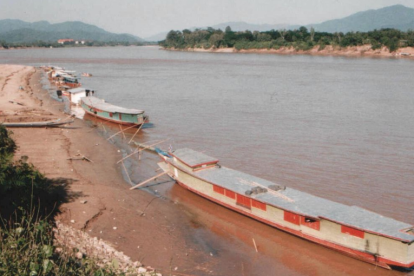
[(363, 51), (351, 51), (76, 47)]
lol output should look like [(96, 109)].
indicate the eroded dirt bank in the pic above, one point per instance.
[(352, 51)]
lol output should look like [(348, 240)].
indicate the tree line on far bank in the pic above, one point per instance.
[(300, 39)]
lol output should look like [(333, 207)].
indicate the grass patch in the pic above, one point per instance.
[(27, 248)]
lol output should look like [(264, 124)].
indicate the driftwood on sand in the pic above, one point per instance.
[(80, 157)]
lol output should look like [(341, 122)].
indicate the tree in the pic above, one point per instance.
[(174, 39), (263, 37), (210, 30), (312, 33), (216, 40), (282, 33), (303, 30), (392, 44)]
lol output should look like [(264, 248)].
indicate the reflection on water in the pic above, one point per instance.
[(339, 128)]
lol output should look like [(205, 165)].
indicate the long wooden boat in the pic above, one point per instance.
[(70, 81), (125, 116), (354, 231)]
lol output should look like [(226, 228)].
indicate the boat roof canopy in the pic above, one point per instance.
[(193, 158), (79, 90), (102, 105)]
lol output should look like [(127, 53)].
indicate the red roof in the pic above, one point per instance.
[(64, 40)]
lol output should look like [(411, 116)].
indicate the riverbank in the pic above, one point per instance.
[(99, 202), (354, 51), (74, 46)]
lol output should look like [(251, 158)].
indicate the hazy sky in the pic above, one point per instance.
[(149, 17)]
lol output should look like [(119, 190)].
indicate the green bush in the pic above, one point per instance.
[(21, 185), (7, 145), (26, 248)]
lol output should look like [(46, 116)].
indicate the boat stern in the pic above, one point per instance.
[(411, 255), (165, 167), (142, 119)]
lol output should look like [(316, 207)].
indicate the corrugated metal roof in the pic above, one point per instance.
[(301, 202), (193, 158), (102, 105)]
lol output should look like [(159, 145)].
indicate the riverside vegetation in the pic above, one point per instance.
[(28, 201), (299, 39)]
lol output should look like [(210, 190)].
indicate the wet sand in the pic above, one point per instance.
[(172, 229)]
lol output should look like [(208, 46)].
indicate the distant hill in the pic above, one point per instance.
[(403, 27), (157, 37), (18, 31), (243, 26), (397, 17)]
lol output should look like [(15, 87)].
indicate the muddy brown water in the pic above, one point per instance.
[(339, 128)]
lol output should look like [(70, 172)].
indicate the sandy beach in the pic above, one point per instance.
[(135, 222)]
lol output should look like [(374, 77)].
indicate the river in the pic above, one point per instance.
[(339, 128)]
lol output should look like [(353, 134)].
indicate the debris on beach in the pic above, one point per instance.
[(13, 102), (102, 252), (80, 157)]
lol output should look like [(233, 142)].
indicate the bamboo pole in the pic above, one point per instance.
[(123, 134), (138, 150), (129, 178), (141, 145), (136, 132), (68, 117), (129, 155), (103, 127), (120, 132), (148, 180), (255, 247)]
